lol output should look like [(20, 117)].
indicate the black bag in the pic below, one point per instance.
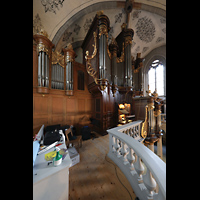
[(51, 137), (86, 133)]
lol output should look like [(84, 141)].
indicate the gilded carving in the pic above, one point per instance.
[(103, 30), (89, 68), (145, 124), (43, 47), (58, 58)]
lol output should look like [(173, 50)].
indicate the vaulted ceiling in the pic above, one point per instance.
[(67, 21)]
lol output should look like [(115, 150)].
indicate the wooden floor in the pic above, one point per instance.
[(94, 178)]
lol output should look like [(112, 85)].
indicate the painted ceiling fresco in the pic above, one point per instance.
[(149, 28)]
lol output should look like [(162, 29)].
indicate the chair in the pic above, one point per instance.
[(78, 139)]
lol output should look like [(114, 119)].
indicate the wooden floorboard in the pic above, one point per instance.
[(95, 178)]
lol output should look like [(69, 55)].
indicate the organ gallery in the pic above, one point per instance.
[(109, 74), (99, 71)]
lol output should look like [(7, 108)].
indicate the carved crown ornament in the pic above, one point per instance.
[(58, 58), (89, 68)]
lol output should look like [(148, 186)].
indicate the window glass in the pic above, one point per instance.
[(156, 77)]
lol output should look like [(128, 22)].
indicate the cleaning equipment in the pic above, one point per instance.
[(57, 160)]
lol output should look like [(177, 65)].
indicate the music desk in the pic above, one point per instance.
[(50, 182)]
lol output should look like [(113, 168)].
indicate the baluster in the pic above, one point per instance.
[(112, 143), (120, 147), (139, 168), (131, 158), (137, 130), (150, 183), (124, 153), (129, 132), (117, 147), (132, 131)]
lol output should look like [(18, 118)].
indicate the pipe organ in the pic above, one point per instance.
[(110, 69), (55, 70), (109, 64)]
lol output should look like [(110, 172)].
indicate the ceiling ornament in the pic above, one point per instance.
[(87, 24), (51, 5), (37, 24), (145, 29)]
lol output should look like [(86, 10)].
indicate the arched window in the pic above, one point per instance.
[(156, 77)]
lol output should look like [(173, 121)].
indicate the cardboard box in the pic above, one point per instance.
[(74, 155)]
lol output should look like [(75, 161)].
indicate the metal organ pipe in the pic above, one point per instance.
[(46, 71), (42, 69), (57, 77), (102, 56), (39, 69), (72, 75)]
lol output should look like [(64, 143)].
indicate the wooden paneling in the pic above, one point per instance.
[(57, 105), (58, 108), (81, 105), (70, 106), (41, 105), (89, 105)]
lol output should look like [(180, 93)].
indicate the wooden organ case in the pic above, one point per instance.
[(110, 69), (60, 94)]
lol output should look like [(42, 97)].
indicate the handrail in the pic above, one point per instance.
[(128, 153)]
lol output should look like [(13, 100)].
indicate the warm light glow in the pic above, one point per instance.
[(121, 106), (127, 107), (121, 116)]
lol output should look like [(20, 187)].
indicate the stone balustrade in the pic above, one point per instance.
[(132, 157)]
